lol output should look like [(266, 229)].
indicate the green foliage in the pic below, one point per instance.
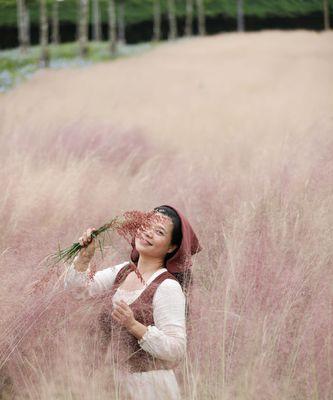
[(265, 8), (142, 10), (15, 67)]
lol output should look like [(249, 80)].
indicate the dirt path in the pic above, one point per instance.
[(202, 91)]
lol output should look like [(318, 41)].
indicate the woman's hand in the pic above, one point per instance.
[(88, 243), (87, 252), (123, 314)]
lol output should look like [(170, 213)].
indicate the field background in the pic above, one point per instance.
[(235, 130)]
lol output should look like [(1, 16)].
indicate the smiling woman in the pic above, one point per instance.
[(147, 329)]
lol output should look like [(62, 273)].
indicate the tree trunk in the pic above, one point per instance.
[(27, 26), (326, 10), (172, 20), (23, 25), (97, 31), (83, 28), (112, 27), (43, 34), (157, 21), (189, 17), (201, 17), (55, 22), (121, 22), (240, 16), (78, 19)]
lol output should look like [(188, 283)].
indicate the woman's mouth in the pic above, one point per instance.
[(145, 241)]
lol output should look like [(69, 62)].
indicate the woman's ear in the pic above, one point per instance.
[(172, 248)]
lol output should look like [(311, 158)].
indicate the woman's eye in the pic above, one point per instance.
[(159, 232)]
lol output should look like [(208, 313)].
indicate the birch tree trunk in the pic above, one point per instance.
[(157, 21), (43, 34), (326, 11), (97, 31), (112, 27), (83, 28), (172, 20), (240, 16), (23, 25), (201, 17), (189, 18), (55, 22), (121, 22), (78, 19), (27, 25)]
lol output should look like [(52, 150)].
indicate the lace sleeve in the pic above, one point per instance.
[(166, 339)]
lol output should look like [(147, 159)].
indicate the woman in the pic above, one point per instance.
[(148, 303)]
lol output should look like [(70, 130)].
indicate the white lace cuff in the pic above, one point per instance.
[(148, 334), (168, 347), (75, 278)]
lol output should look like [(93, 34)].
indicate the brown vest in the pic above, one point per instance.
[(126, 351)]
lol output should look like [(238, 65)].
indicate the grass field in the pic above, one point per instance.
[(236, 131)]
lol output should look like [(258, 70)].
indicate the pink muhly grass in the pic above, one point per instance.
[(260, 321)]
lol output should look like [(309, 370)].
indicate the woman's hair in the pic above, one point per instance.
[(184, 278)]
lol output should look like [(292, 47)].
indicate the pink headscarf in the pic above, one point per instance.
[(189, 246)]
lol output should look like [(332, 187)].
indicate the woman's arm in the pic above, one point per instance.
[(101, 281), (78, 274), (166, 339)]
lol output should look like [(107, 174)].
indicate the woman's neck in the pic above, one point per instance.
[(149, 265)]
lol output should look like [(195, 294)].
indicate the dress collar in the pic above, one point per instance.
[(153, 276)]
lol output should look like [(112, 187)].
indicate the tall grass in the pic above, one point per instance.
[(261, 307)]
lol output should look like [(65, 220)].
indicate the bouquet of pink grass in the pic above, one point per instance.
[(127, 225)]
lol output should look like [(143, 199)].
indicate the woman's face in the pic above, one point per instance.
[(155, 241)]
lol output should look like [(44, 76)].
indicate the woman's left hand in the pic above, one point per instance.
[(123, 314)]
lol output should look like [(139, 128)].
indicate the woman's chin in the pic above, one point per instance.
[(146, 250), (145, 254), (141, 248)]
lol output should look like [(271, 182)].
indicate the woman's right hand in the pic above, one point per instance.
[(88, 250)]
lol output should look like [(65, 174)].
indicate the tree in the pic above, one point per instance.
[(157, 20), (43, 34), (83, 27), (97, 31), (201, 17), (112, 27), (189, 17), (240, 16), (55, 22), (326, 15), (27, 24), (172, 20), (23, 27), (121, 22)]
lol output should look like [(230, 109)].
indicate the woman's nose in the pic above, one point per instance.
[(148, 233)]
